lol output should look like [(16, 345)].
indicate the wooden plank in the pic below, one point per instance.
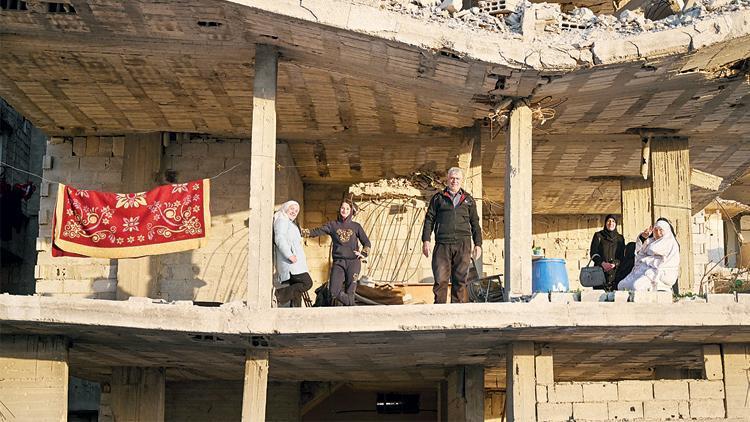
[(255, 387), (262, 176), (518, 237), (705, 180), (142, 157), (521, 385), (636, 207), (670, 197)]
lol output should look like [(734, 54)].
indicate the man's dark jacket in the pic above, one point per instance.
[(452, 224)]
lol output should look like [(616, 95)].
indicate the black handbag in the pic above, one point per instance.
[(591, 276)]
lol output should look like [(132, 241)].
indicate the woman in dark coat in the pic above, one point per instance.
[(608, 251)]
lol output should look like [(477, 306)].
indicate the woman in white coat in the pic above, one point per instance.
[(657, 260), (292, 277)]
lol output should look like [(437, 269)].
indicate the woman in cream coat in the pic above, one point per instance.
[(657, 260), (292, 277)]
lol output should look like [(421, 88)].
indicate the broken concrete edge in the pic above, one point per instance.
[(235, 318), (715, 30), (599, 47)]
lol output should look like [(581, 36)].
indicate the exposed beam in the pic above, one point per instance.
[(705, 180)]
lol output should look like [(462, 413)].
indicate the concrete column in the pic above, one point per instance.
[(262, 178), (670, 197), (33, 378), (465, 394), (137, 394), (255, 387), (713, 369), (518, 233), (520, 382), (737, 379), (142, 158), (636, 207)]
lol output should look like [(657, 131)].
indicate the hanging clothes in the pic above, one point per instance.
[(12, 218)]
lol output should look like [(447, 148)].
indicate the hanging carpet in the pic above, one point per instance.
[(167, 219)]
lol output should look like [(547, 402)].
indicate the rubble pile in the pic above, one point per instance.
[(421, 184), (517, 17), (488, 15)]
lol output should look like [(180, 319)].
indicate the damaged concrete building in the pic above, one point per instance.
[(558, 112)]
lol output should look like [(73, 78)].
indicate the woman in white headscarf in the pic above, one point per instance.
[(657, 260), (292, 277)]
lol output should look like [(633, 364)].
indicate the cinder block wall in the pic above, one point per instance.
[(708, 243), (650, 400), (215, 273), (560, 236), (93, 162), (218, 272), (33, 378)]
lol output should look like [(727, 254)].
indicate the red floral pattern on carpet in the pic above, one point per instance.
[(167, 219)]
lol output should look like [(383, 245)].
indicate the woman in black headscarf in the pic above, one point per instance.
[(608, 251)]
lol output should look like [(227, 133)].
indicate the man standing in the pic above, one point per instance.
[(452, 215)]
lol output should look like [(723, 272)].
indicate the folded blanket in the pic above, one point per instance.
[(167, 219)]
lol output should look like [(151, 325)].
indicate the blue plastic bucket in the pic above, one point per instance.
[(549, 275)]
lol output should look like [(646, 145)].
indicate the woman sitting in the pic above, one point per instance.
[(657, 260), (607, 251), (293, 278)]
